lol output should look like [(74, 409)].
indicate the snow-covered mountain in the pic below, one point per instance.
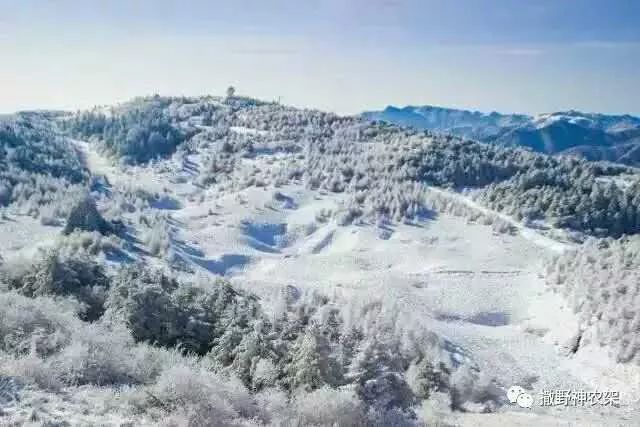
[(469, 124), (211, 261), (592, 136)]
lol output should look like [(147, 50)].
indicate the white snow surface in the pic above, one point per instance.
[(481, 291)]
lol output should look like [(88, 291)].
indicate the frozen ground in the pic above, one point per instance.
[(482, 291), (22, 235)]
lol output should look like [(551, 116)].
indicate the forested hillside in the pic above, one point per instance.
[(601, 281), (40, 171), (144, 129), (226, 261), (347, 154)]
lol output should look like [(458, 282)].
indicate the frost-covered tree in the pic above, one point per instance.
[(309, 366), (84, 216), (601, 281), (39, 169), (56, 273), (138, 131), (374, 162), (159, 309)]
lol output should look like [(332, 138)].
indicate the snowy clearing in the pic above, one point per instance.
[(481, 291), (247, 271)]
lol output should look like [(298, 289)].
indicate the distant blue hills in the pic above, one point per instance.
[(613, 138)]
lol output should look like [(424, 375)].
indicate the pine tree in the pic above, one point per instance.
[(309, 367), (84, 216)]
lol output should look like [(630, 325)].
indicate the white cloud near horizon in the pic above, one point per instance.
[(85, 68)]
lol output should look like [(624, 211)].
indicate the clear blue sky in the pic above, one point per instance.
[(507, 55)]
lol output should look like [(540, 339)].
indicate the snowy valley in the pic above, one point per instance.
[(226, 261)]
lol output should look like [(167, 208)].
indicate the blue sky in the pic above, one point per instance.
[(523, 56)]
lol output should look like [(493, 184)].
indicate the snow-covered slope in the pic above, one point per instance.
[(481, 291), (413, 268)]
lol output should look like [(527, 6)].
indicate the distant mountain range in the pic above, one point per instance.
[(592, 136)]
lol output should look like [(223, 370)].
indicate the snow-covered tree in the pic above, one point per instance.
[(84, 216)]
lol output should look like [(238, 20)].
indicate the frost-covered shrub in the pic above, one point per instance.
[(158, 237), (92, 243), (31, 369), (348, 215), (105, 354), (9, 390), (57, 273), (472, 391), (40, 325), (503, 227), (97, 354), (388, 391), (42, 340), (323, 215), (201, 396), (265, 374), (128, 198), (327, 406), (425, 377)]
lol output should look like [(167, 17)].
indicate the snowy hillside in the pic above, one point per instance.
[(587, 135), (210, 261)]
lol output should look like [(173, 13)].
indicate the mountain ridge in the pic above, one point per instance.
[(594, 136), (264, 262)]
